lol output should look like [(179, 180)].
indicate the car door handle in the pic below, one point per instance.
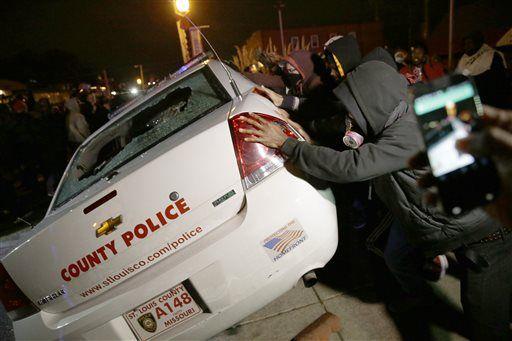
[(108, 226)]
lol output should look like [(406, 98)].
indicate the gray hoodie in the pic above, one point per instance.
[(376, 96)]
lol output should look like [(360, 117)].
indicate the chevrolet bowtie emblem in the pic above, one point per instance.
[(108, 226)]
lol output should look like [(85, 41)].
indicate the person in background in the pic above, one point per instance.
[(423, 68), (44, 107), (272, 79), (76, 124), (87, 102), (401, 58), (26, 144), (298, 74), (53, 144), (100, 115), (489, 70), (19, 106)]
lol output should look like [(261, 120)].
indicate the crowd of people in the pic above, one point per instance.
[(37, 139), (356, 115), (361, 135)]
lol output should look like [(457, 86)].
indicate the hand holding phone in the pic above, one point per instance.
[(449, 109)]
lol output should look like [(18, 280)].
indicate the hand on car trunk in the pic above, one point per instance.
[(269, 94), (264, 132)]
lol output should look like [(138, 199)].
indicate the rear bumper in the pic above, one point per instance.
[(229, 268)]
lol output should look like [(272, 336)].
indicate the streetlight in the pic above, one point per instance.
[(141, 75), (182, 7)]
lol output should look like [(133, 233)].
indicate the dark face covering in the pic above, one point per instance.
[(324, 72), (293, 82), (470, 47)]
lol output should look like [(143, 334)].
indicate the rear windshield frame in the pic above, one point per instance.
[(216, 86)]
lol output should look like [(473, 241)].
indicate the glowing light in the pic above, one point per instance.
[(134, 91), (139, 81), (2, 92), (113, 93), (182, 6), (102, 88)]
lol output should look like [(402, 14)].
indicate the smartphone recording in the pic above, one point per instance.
[(448, 110)]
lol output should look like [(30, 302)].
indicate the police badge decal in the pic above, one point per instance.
[(148, 322)]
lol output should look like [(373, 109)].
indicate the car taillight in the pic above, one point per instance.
[(13, 299), (255, 160)]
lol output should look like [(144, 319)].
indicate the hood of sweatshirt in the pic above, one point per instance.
[(382, 55), (375, 94), (346, 50), (302, 61)]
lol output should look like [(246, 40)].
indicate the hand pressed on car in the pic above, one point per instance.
[(268, 133), (264, 132), (270, 95)]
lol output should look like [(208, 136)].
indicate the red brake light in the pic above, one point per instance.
[(256, 161), (10, 295)]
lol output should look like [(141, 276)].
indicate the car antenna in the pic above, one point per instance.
[(231, 80)]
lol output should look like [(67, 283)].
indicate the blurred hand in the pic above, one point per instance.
[(494, 142), (270, 95), (264, 132)]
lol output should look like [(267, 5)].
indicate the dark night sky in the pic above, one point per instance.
[(116, 34)]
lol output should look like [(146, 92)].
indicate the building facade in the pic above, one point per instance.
[(369, 35)]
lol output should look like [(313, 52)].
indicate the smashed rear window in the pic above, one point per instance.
[(142, 128)]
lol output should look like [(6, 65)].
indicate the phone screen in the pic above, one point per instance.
[(445, 116), (447, 110)]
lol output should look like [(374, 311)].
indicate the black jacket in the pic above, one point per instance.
[(376, 96)]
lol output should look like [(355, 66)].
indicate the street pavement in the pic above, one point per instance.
[(360, 320)]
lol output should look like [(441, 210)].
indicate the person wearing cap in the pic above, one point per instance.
[(374, 96)]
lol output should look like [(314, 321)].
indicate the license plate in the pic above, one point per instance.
[(162, 313)]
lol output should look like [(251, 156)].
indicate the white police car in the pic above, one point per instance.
[(166, 224)]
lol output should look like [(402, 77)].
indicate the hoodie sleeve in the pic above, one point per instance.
[(389, 153)]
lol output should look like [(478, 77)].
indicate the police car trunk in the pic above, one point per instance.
[(132, 196)]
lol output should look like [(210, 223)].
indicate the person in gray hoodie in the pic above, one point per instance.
[(375, 99)]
